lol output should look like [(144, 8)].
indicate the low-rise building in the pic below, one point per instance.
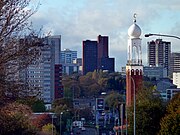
[(176, 79), (155, 72), (83, 103), (171, 92)]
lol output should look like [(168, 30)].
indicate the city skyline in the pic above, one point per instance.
[(86, 19)]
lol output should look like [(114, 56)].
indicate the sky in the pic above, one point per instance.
[(79, 20)]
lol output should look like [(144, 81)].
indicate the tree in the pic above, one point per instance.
[(19, 47), (62, 108), (16, 50), (92, 84), (38, 106), (63, 101), (93, 90), (174, 104), (47, 129), (113, 100), (103, 83), (149, 111), (71, 86), (15, 119), (86, 81), (85, 113), (170, 123), (40, 120)]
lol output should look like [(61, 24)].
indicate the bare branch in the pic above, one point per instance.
[(17, 51)]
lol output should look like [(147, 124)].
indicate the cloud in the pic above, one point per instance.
[(86, 19)]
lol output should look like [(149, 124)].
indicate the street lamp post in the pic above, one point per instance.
[(164, 35), (60, 122), (52, 124)]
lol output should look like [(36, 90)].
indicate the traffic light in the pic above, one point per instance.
[(99, 103)]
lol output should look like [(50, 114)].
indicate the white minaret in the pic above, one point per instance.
[(134, 68), (134, 44)]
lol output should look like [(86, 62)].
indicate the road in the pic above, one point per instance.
[(87, 131)]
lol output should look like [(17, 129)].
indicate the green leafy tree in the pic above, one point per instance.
[(71, 86), (93, 90), (63, 101), (171, 122), (92, 84), (65, 113), (67, 92), (85, 82), (113, 100), (38, 106), (149, 111), (115, 82), (64, 105), (47, 129), (103, 83)]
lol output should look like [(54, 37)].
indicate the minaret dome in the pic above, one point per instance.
[(134, 30)]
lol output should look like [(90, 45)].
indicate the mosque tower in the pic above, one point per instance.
[(134, 67)]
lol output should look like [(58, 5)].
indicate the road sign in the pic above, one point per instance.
[(99, 103)]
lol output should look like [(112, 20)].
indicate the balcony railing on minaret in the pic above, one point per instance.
[(135, 62)]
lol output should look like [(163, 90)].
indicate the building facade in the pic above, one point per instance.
[(90, 56), (165, 88), (70, 68), (103, 62), (163, 84), (67, 60), (176, 79), (175, 62), (134, 68), (78, 62), (155, 72), (171, 92), (46, 72), (102, 46), (106, 64), (159, 53), (67, 56)]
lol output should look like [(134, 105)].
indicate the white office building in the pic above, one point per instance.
[(47, 70)]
